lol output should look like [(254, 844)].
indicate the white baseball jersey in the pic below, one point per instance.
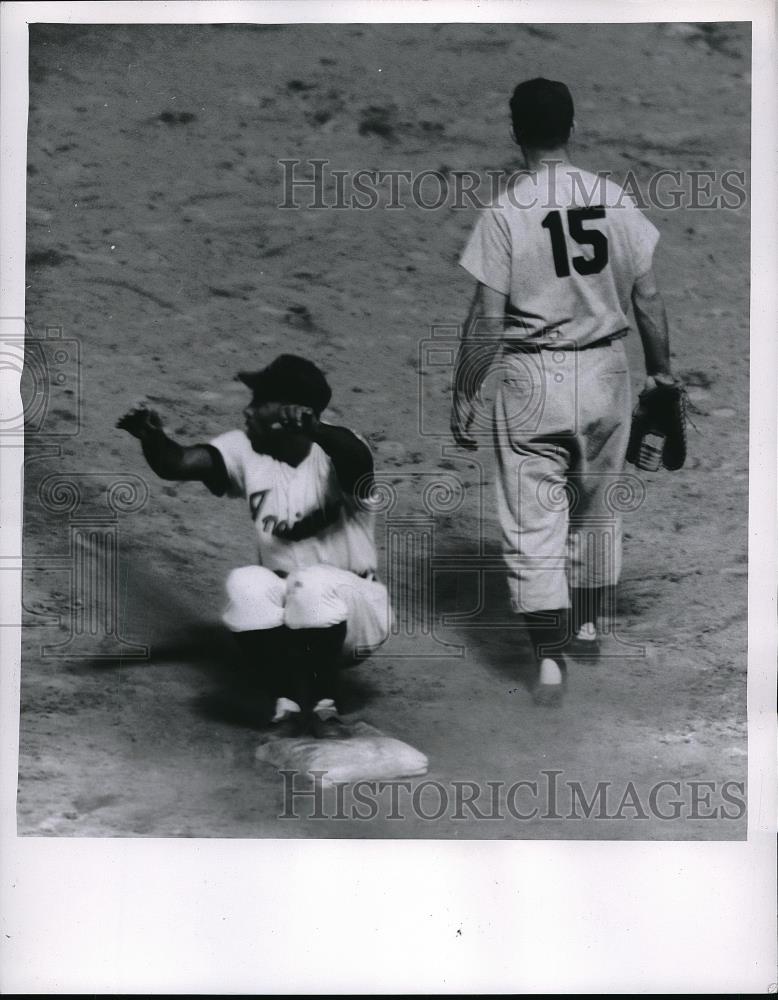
[(301, 515), (566, 247)]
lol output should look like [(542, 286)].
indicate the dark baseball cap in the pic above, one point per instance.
[(289, 379)]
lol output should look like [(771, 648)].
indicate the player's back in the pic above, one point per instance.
[(566, 246)]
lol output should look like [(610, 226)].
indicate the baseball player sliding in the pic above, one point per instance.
[(311, 600), (557, 260)]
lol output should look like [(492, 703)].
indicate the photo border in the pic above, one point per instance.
[(133, 915)]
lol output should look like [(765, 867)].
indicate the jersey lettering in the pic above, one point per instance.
[(597, 240), (310, 525), (305, 527)]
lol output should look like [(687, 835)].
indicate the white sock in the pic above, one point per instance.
[(549, 672), (587, 632), (285, 707), (325, 708)]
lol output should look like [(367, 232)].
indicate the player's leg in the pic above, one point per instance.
[(317, 615), (255, 616), (533, 513), (595, 541), (586, 609), (369, 615), (338, 617)]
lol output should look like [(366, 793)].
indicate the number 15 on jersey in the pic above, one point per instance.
[(597, 240)]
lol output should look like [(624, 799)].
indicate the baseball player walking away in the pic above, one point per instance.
[(311, 600), (557, 259)]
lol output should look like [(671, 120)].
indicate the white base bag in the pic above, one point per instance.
[(367, 754)]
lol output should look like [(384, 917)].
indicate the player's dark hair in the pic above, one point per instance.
[(289, 379), (542, 113)]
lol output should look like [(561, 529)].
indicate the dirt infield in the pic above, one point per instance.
[(157, 245)]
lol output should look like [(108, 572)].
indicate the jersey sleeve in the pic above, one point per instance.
[(230, 479), (487, 255), (643, 238)]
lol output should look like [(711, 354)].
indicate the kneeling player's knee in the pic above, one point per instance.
[(251, 582), (255, 599), (312, 599)]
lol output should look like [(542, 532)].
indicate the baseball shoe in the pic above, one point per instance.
[(550, 684), (288, 722), (291, 727), (585, 644), (326, 724)]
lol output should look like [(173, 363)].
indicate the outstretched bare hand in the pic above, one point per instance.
[(140, 421)]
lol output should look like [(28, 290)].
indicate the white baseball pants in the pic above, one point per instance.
[(315, 597), (561, 426)]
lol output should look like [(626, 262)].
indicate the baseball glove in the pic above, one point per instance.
[(659, 427)]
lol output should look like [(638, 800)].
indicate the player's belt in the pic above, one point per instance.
[(528, 347), (366, 574)]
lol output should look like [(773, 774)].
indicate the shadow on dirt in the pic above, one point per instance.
[(235, 694), (470, 607), (474, 605), (230, 690)]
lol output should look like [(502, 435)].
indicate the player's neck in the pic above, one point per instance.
[(543, 160)]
